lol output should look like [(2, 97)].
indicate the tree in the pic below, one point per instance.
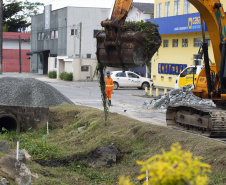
[(17, 14)]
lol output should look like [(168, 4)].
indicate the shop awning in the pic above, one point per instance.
[(36, 52)]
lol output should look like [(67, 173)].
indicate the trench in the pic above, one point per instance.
[(8, 123)]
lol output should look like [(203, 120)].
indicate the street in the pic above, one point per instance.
[(125, 101)]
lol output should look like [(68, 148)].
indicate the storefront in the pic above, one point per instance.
[(181, 41)]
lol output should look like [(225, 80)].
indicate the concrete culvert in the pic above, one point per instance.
[(8, 123)]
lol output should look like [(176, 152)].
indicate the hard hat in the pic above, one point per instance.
[(108, 72)]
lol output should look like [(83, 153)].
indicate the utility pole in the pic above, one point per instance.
[(19, 54), (74, 52), (80, 43), (1, 29)]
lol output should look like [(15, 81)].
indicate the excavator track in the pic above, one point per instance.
[(204, 120)]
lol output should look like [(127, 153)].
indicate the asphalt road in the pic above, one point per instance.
[(125, 101)]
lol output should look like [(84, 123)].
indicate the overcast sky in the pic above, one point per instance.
[(82, 3)]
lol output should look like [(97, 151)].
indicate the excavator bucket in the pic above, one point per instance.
[(120, 47)]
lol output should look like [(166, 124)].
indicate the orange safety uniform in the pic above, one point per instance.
[(109, 87)]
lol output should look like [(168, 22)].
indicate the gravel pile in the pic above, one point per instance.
[(30, 92), (176, 97)]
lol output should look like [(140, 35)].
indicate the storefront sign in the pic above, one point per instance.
[(172, 69)]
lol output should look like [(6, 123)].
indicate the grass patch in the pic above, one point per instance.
[(136, 140)]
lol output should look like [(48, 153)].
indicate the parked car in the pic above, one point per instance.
[(130, 79)]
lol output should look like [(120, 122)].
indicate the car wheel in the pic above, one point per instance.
[(115, 85), (145, 84)]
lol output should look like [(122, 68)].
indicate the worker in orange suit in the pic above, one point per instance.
[(109, 86)]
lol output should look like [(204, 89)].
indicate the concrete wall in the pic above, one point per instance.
[(91, 19), (74, 66), (51, 64), (26, 117)]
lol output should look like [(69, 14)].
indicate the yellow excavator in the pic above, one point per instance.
[(117, 48)]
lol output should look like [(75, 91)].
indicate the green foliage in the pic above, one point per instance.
[(173, 167), (149, 32), (35, 143), (16, 14), (66, 76), (52, 74)]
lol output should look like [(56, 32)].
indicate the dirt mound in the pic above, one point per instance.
[(29, 92)]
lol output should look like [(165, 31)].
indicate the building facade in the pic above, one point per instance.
[(180, 29), (11, 56), (58, 35)]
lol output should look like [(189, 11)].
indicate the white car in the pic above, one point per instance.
[(129, 79)]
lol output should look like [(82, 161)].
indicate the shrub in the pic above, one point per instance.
[(66, 76), (52, 74), (173, 167)]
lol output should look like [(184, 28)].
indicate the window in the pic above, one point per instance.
[(186, 7), (52, 35), (55, 62), (56, 34), (132, 75), (95, 32), (158, 10), (84, 68), (39, 36), (72, 31), (208, 41), (197, 59), (121, 74), (165, 43), (198, 42), (175, 43), (167, 9), (176, 7), (184, 43)]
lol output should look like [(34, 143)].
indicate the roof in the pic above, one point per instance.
[(15, 35), (144, 7)]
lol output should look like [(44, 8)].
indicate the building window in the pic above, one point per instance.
[(176, 7), (167, 9), (55, 62), (184, 43), (40, 36), (186, 7), (95, 32), (84, 68), (175, 43), (52, 35), (73, 31), (56, 34), (158, 10), (165, 43), (208, 41), (197, 42)]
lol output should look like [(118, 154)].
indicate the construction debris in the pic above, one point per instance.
[(176, 97), (29, 92)]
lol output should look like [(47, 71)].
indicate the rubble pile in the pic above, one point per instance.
[(29, 92), (176, 97)]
